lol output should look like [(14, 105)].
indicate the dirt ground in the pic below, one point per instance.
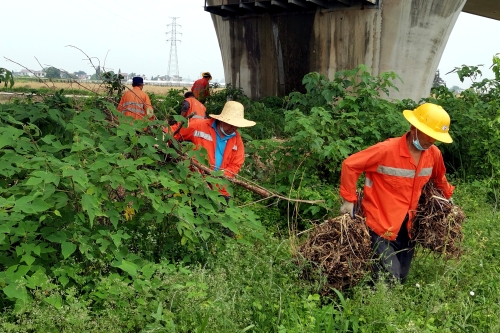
[(160, 90)]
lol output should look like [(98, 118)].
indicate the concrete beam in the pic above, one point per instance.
[(485, 8), (321, 3), (300, 3)]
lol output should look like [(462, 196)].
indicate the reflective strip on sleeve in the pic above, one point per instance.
[(198, 117), (425, 172), (406, 173), (203, 135), (368, 182)]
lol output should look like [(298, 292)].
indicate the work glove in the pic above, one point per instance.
[(347, 208)]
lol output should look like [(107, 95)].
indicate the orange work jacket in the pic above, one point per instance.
[(393, 183), (202, 134), (196, 107), (136, 103), (200, 88)]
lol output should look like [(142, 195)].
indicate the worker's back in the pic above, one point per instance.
[(135, 103), (200, 88), (196, 107)]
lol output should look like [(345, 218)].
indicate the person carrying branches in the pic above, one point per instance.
[(220, 138), (135, 103), (396, 170)]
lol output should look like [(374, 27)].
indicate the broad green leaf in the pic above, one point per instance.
[(63, 279), (47, 177), (117, 239), (128, 267), (28, 259), (9, 135), (38, 205), (231, 225), (38, 279), (79, 176), (90, 205), (67, 249), (148, 270), (14, 290), (158, 316), (54, 300), (57, 237), (34, 181)]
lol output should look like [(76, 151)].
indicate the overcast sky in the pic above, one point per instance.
[(131, 36)]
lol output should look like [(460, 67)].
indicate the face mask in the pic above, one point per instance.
[(416, 143), (222, 130)]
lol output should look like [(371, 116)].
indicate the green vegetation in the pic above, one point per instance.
[(103, 231)]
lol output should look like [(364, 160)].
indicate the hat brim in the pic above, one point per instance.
[(238, 122), (443, 137)]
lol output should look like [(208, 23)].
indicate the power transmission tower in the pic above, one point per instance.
[(173, 66)]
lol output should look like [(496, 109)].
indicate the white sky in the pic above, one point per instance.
[(133, 35)]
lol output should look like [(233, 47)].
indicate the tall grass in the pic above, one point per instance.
[(260, 289)]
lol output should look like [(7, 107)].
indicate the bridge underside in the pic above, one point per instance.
[(268, 46), (234, 8), (485, 8)]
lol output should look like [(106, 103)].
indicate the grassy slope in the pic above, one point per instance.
[(258, 289)]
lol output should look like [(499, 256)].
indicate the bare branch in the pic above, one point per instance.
[(29, 70)]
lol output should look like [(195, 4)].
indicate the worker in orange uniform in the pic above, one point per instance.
[(136, 103), (219, 136), (396, 170), (191, 105), (200, 87)]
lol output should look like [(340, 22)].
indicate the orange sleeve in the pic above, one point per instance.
[(353, 167), (236, 159), (439, 175), (184, 134)]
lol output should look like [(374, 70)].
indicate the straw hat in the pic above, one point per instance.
[(233, 114)]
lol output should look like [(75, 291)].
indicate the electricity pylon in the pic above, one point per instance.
[(173, 66)]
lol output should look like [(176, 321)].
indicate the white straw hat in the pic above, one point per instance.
[(233, 113)]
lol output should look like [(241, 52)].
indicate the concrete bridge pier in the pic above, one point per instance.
[(268, 46)]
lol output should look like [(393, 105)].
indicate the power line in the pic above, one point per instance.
[(172, 59)]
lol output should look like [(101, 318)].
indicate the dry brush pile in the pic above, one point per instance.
[(341, 248), (437, 225)]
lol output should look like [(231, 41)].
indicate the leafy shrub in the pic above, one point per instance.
[(332, 120), (475, 125), (80, 197)]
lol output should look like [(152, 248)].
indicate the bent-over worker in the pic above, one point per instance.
[(191, 105), (396, 170), (219, 136)]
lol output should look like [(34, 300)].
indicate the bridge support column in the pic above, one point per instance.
[(268, 53)]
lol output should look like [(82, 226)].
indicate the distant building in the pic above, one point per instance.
[(39, 73), (25, 72)]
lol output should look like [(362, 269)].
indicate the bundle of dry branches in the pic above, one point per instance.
[(340, 248), (437, 225)]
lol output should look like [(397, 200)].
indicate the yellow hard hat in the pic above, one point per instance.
[(206, 74), (431, 119)]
